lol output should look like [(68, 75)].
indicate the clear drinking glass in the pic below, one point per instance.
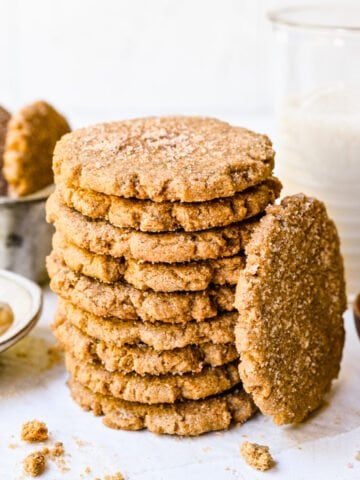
[(317, 92)]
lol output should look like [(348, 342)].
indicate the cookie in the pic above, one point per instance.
[(257, 456), (154, 388), (160, 277), (101, 237), (4, 120), (158, 335), (126, 302), (187, 159), (149, 216), (291, 298), (30, 140), (187, 418), (140, 358)]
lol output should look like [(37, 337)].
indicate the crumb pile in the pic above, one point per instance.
[(115, 476), (152, 217)]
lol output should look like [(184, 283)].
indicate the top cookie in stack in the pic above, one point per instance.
[(152, 217)]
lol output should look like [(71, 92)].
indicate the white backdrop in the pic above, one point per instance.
[(100, 59)]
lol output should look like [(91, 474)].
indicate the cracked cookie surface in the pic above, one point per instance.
[(101, 237), (152, 389), (126, 302), (158, 335), (140, 358), (149, 216), (189, 159), (161, 277)]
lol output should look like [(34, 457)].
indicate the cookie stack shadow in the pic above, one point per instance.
[(146, 272)]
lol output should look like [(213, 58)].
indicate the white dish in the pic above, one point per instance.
[(25, 300)]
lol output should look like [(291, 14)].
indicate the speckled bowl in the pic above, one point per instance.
[(25, 300), (25, 237)]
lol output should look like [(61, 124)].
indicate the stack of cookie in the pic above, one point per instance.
[(152, 217)]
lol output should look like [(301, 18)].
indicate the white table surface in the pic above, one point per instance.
[(325, 447)]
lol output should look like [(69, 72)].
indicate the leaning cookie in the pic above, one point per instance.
[(291, 298), (160, 277), (140, 358), (188, 418), (152, 389), (158, 335), (99, 236), (31, 136), (149, 216), (126, 302)]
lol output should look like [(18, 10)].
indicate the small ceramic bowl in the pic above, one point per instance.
[(25, 237), (25, 300)]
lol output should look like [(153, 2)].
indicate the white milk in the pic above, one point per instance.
[(318, 148)]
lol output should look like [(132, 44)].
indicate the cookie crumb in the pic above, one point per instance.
[(34, 464), (81, 443), (56, 454), (57, 450), (86, 472), (357, 456), (115, 476), (257, 456), (34, 431)]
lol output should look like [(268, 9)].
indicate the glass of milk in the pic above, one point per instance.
[(317, 91)]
